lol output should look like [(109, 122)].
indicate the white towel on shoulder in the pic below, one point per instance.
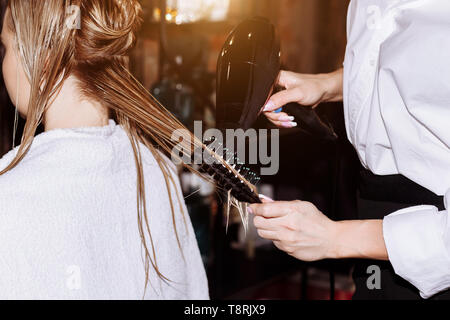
[(69, 228)]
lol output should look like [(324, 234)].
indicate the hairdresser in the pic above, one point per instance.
[(395, 86)]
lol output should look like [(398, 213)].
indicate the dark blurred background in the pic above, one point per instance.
[(177, 63)]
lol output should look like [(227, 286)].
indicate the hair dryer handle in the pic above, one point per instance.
[(308, 120)]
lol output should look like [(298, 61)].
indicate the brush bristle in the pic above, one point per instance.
[(236, 179)]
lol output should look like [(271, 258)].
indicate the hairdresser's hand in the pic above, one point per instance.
[(296, 227), (304, 89)]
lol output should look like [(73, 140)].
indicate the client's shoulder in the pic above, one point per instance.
[(62, 154), (151, 157), (40, 164)]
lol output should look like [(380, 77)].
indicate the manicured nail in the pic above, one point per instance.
[(249, 210), (263, 197), (287, 118), (269, 106), (289, 125)]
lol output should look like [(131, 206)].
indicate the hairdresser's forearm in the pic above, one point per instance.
[(361, 239), (334, 86)]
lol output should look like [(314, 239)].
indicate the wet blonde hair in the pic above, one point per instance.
[(96, 54)]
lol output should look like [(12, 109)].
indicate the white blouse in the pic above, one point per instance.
[(397, 111), (69, 226)]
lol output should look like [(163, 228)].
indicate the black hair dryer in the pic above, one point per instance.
[(247, 72)]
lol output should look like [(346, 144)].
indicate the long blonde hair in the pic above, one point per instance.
[(96, 54)]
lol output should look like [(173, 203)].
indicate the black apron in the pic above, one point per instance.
[(380, 196)]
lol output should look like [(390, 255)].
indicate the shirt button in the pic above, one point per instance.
[(373, 62)]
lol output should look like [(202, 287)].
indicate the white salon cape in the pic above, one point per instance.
[(69, 226), (397, 112)]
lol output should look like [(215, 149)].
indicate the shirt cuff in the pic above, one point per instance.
[(416, 239)]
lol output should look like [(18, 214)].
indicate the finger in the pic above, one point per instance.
[(265, 199), (287, 125), (282, 98), (271, 210), (269, 235), (282, 117), (283, 121), (285, 78), (280, 245), (280, 124), (267, 224)]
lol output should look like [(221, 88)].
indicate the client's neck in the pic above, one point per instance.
[(70, 110)]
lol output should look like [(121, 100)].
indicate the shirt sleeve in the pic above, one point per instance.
[(418, 244)]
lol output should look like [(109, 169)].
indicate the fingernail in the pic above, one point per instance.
[(287, 118), (249, 210), (269, 106), (263, 197), (289, 125)]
